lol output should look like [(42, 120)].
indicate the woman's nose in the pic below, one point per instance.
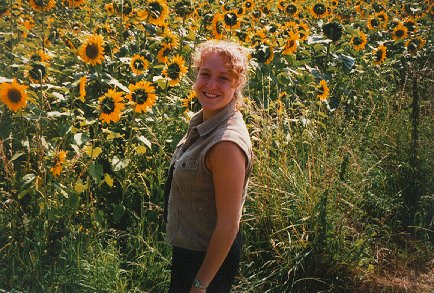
[(212, 83)]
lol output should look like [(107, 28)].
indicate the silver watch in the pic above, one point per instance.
[(198, 284)]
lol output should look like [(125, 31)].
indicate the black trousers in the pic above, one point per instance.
[(186, 263)]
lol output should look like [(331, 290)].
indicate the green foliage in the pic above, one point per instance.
[(342, 138)]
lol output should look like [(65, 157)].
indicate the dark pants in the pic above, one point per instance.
[(186, 263)]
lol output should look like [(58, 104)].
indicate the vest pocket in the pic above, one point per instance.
[(189, 165)]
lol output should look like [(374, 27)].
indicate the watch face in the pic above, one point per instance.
[(196, 283)]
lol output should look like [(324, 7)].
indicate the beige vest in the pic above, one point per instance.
[(192, 210)]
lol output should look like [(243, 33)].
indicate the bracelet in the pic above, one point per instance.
[(198, 284)]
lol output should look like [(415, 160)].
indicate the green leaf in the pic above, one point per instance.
[(145, 141), (80, 138), (16, 156), (118, 212), (95, 171), (28, 178), (110, 80), (119, 164)]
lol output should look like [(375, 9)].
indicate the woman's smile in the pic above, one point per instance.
[(214, 86)]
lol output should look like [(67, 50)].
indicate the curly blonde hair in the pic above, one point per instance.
[(236, 60)]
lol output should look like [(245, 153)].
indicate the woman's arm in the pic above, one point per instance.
[(227, 163)]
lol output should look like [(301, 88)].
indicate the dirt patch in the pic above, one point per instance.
[(414, 279)]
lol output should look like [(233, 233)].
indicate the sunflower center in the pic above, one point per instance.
[(379, 55), (139, 96), (291, 43), (36, 57), (411, 26), (399, 33), (248, 4), (357, 41), (92, 51), (138, 64), (183, 8), (173, 71), (108, 105), (14, 95), (37, 72), (230, 19), (219, 27), (263, 53), (41, 3), (291, 9), (374, 22), (319, 9), (155, 9)]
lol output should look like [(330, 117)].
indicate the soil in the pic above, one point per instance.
[(400, 278)]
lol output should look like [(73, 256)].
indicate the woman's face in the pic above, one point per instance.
[(215, 85)]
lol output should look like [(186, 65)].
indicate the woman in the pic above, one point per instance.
[(209, 173)]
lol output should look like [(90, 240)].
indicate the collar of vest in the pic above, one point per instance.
[(205, 127)]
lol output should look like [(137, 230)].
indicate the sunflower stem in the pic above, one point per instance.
[(130, 135), (327, 57)]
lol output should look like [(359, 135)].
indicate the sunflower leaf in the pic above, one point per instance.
[(145, 141), (119, 164), (118, 212), (95, 171), (107, 78)]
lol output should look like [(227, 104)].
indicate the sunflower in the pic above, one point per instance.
[(292, 10), (82, 87), (322, 90), (13, 95), (183, 8), (186, 102), (249, 5), (383, 18), (75, 3), (138, 64), (333, 31), (380, 54), (319, 10), (290, 44), (37, 72), (170, 40), (92, 51), (217, 26), (413, 45), (359, 41), (174, 70), (163, 53), (231, 21), (142, 94), (281, 5), (226, 7), (411, 25), (400, 32), (39, 56), (373, 22), (111, 106), (303, 31), (263, 52), (334, 3), (157, 12), (109, 8), (59, 160), (42, 5)]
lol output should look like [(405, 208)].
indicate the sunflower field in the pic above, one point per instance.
[(95, 95)]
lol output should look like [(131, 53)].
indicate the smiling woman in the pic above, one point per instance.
[(208, 177)]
